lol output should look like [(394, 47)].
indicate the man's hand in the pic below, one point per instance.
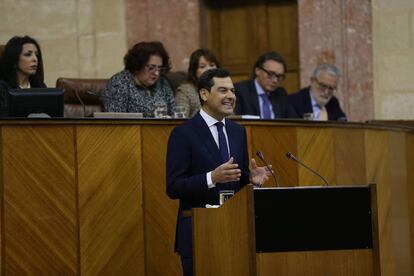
[(226, 172), (259, 175)]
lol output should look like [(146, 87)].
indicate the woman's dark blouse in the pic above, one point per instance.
[(122, 94)]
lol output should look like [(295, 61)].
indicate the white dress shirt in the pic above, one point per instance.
[(211, 123)]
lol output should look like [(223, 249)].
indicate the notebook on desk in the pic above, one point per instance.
[(117, 115)]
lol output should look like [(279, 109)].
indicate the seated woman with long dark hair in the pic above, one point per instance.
[(21, 66)]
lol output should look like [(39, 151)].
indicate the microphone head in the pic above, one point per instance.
[(289, 155), (259, 154)]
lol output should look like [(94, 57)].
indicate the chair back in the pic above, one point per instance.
[(88, 92), (82, 96)]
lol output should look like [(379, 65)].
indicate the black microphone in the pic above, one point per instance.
[(81, 102), (260, 155), (291, 156)]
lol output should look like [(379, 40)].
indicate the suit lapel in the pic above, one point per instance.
[(233, 139), (277, 108), (253, 97), (307, 103), (206, 138)]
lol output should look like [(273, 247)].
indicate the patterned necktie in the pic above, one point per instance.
[(265, 106), (323, 115), (224, 152)]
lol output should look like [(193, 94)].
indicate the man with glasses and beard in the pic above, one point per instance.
[(262, 95), (318, 98)]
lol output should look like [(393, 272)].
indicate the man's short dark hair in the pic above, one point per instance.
[(206, 79), (269, 56)]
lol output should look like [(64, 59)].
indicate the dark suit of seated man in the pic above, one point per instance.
[(206, 154), (318, 98), (263, 95)]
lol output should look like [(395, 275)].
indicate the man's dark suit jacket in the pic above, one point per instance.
[(301, 102), (248, 103), (191, 154)]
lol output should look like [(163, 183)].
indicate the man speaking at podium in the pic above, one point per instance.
[(206, 154)]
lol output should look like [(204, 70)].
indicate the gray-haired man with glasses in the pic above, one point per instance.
[(318, 98), (263, 95)]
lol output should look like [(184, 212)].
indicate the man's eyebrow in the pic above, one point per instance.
[(224, 87)]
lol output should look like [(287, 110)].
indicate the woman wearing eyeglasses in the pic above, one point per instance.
[(141, 85), (201, 60)]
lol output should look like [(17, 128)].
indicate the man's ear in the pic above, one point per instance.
[(256, 71), (204, 94)]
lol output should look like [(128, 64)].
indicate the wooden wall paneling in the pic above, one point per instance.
[(410, 188), (160, 211), (110, 200), (397, 169), (40, 226), (349, 145), (315, 146), (231, 38), (385, 153), (249, 131), (274, 142), (239, 31), (316, 263), (282, 31)]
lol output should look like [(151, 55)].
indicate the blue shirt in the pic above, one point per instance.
[(315, 108), (260, 92)]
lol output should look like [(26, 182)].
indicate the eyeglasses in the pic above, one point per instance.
[(273, 75), (152, 68), (325, 87)]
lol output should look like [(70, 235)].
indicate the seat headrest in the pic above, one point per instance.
[(82, 87)]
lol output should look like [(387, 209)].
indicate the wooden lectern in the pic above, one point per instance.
[(289, 231)]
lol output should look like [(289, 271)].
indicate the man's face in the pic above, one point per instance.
[(270, 75), (220, 101), (322, 88)]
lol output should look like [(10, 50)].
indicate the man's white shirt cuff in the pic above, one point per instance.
[(210, 183)]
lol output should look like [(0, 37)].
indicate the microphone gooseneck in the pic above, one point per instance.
[(81, 102), (261, 157), (294, 158)]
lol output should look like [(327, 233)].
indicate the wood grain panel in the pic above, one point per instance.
[(385, 164), (40, 227), (274, 143), (410, 189), (283, 31), (316, 263), (160, 210), (110, 200), (349, 156), (316, 149), (283, 38), (230, 37), (238, 32), (397, 169), (224, 238)]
